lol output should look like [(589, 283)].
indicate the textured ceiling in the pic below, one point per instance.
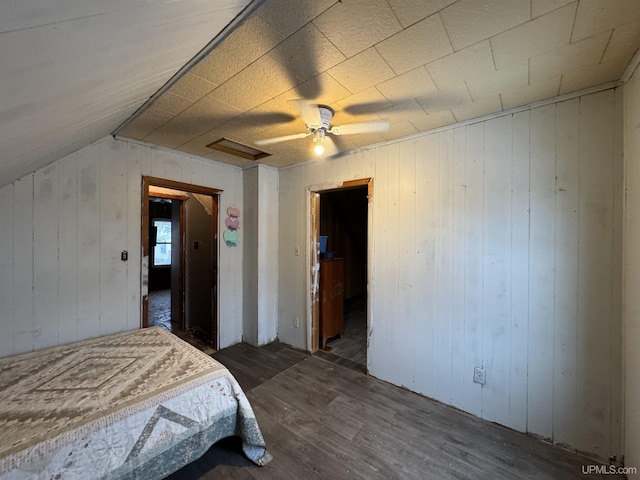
[(422, 64), (71, 71)]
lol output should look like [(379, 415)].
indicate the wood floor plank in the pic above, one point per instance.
[(322, 420)]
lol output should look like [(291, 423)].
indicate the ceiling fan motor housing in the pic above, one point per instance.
[(326, 114)]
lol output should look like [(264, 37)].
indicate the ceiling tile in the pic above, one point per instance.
[(623, 43), (230, 159), (241, 131), (595, 16), (149, 120), (512, 77), (136, 130), (283, 103), (471, 21), (410, 111), (260, 81), (362, 71), (435, 120), (170, 135), (400, 129), (208, 113), (419, 44), (287, 16), (307, 53), (600, 74), (366, 102), (198, 146), (459, 66), (192, 87), (172, 103), (570, 57), (340, 55), (455, 94), (331, 93), (414, 84), (330, 90), (540, 87), (540, 35), (412, 11), (540, 7), (246, 44), (370, 21), (478, 108)]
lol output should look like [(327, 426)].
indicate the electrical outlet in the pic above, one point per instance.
[(296, 322), (479, 375)]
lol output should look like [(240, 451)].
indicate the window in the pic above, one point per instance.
[(162, 247)]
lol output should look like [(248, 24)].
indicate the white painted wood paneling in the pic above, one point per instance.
[(595, 266), (22, 321), (66, 224), (617, 337), (88, 320), (493, 244), (566, 260), (459, 192), (113, 238), (419, 265), (268, 212), (403, 275), (250, 259), (6, 269), (497, 267), (134, 282), (89, 65), (45, 258), (472, 254), (293, 271), (542, 162), (68, 259), (631, 276), (519, 249), (445, 255)]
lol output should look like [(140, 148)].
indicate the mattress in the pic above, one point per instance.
[(135, 405)]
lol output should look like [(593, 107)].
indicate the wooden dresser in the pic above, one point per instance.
[(331, 298)]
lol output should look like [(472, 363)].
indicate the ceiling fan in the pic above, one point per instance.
[(317, 119)]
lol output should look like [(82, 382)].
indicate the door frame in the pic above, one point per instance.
[(314, 257), (149, 181)]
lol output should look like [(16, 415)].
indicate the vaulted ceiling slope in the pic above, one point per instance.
[(421, 64), (71, 71)]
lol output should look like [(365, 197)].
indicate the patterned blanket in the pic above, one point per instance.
[(138, 404)]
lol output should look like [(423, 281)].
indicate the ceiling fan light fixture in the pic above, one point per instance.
[(318, 140)]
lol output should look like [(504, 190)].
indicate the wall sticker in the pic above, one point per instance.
[(232, 222)]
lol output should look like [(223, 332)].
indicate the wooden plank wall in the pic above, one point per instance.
[(260, 265), (64, 226), (496, 244), (631, 314)]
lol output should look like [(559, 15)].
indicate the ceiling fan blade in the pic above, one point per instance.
[(362, 127), (309, 112), (284, 138), (330, 147)]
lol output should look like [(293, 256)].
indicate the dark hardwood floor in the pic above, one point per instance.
[(352, 344), (324, 420), (160, 316)]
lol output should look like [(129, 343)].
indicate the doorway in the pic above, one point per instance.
[(341, 217), (180, 260)]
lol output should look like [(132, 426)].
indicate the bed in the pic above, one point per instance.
[(135, 405)]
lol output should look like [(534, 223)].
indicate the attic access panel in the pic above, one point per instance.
[(239, 150)]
